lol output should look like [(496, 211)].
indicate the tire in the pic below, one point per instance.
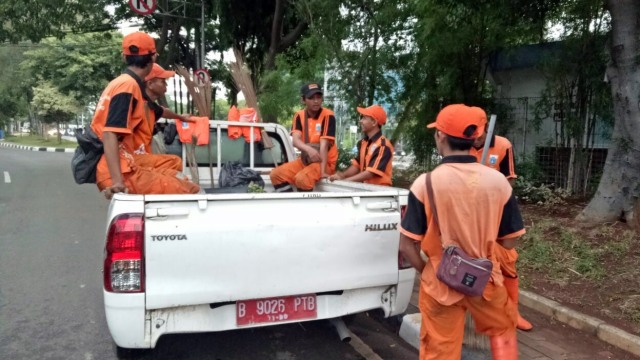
[(125, 353)]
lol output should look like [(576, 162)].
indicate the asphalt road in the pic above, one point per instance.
[(51, 239)]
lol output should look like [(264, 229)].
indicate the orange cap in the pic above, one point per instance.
[(138, 43), (376, 112), (158, 71), (234, 114), (454, 119)]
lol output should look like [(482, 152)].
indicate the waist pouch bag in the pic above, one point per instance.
[(86, 157), (463, 273), (306, 160), (458, 270)]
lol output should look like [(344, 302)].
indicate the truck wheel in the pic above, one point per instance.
[(125, 353)]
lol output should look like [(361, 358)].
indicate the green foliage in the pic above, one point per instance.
[(254, 188), (344, 159), (37, 19), (14, 95), (78, 65), (540, 194), (362, 42), (52, 105)]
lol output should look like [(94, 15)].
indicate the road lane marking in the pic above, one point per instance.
[(7, 178), (362, 348)]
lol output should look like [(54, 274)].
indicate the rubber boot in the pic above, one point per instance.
[(504, 347), (512, 285)]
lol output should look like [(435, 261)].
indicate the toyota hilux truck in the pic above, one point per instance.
[(223, 260)]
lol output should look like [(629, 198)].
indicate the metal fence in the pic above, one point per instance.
[(542, 144)]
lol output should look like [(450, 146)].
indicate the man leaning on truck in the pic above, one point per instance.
[(119, 114)]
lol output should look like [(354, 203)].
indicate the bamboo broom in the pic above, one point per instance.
[(201, 95), (242, 79), (472, 338)]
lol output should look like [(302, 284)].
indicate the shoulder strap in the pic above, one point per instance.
[(432, 203), (306, 127)]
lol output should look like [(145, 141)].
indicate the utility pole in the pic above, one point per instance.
[(202, 54)]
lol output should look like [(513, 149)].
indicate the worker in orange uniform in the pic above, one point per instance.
[(475, 207), (500, 157), (313, 133), (372, 164), (155, 87), (119, 115)]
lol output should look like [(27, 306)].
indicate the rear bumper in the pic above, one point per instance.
[(131, 326)]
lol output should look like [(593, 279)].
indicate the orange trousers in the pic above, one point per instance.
[(507, 259), (442, 328), (158, 161), (159, 177), (302, 177)]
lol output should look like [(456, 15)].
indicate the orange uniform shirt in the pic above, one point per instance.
[(322, 127), (143, 136), (500, 156), (475, 207), (199, 128), (120, 110), (375, 155)]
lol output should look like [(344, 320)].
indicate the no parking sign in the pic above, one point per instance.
[(143, 7), (201, 76)]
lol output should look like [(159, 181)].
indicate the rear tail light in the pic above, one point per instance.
[(402, 262), (124, 254)]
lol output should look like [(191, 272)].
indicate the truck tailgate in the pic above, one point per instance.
[(199, 252)]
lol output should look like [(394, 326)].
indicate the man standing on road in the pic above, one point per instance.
[(500, 157), (313, 133), (475, 206), (373, 162), (119, 115)]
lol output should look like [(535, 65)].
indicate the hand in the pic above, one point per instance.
[(186, 117), (314, 155), (113, 189)]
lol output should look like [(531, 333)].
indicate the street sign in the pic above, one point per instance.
[(143, 7), (202, 76)]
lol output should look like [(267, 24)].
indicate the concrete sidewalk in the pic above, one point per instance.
[(553, 336)]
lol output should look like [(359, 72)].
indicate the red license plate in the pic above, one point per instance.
[(277, 309)]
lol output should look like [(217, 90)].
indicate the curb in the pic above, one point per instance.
[(410, 328), (594, 326), (35, 148)]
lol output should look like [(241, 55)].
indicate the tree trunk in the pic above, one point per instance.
[(620, 183)]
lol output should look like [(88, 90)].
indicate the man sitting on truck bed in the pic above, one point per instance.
[(119, 115), (155, 87), (372, 164), (313, 133)]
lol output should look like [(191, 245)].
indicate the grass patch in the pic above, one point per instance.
[(39, 141), (558, 253), (621, 245)]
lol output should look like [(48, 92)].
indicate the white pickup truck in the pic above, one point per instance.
[(223, 261)]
